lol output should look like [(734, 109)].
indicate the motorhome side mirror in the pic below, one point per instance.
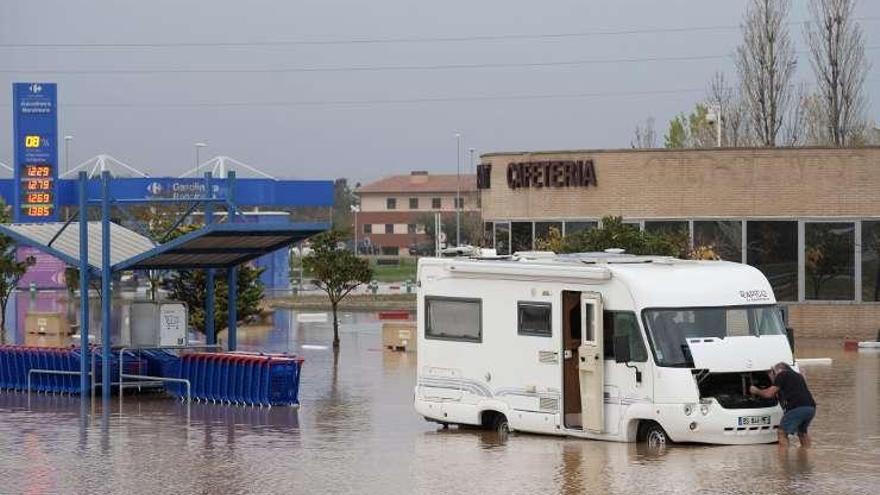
[(789, 334), (621, 349)]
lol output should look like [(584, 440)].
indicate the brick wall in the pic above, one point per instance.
[(697, 183), (835, 321)]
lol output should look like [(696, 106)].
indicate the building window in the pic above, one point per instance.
[(829, 261), (667, 227), (389, 228), (459, 203), (871, 261), (577, 227), (436, 203), (413, 203), (542, 231), (724, 237), (772, 247), (391, 204), (502, 238), (534, 318), (521, 236), (623, 323), (410, 228), (390, 251), (368, 228), (453, 319)]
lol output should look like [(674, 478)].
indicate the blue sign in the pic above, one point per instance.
[(35, 134)]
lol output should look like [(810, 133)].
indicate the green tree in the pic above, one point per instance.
[(11, 270), (343, 200), (336, 271), (189, 286), (676, 136), (616, 234), (691, 131)]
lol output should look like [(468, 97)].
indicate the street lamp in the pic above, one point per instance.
[(199, 146), (67, 140), (457, 189), (355, 209), (714, 116)]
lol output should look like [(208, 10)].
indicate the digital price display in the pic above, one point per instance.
[(37, 190), (35, 134)]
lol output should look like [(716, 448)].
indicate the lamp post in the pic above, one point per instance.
[(457, 189), (714, 116), (199, 146), (354, 210), (67, 140)]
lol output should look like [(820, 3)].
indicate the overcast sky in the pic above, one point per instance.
[(272, 109)]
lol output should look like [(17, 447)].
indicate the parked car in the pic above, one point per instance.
[(423, 249)]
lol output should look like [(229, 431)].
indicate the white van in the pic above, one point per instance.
[(598, 345)]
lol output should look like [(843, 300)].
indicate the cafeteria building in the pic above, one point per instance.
[(809, 218)]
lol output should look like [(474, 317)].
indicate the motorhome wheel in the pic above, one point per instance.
[(501, 426), (654, 435)]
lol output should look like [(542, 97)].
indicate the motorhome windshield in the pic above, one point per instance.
[(669, 328)]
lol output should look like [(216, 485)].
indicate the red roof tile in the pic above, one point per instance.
[(420, 184)]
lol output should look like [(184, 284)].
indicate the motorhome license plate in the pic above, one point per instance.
[(754, 420)]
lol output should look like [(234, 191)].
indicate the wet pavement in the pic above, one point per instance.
[(356, 432)]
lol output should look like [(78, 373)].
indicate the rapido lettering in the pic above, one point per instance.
[(570, 173)]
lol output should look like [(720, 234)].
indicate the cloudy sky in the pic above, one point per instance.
[(348, 88)]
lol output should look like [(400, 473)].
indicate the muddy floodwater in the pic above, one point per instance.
[(356, 432)]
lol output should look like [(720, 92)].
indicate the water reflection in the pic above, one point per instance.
[(356, 432)]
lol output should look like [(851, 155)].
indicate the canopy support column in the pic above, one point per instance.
[(210, 331), (106, 295), (85, 351), (232, 281), (232, 272)]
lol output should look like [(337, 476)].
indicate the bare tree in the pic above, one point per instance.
[(765, 62), (728, 100), (645, 135), (837, 55)]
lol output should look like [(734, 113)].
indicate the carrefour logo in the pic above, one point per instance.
[(35, 88), (155, 189)]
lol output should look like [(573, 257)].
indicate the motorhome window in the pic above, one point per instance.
[(535, 319), (589, 325), (623, 323), (453, 319), (669, 329)]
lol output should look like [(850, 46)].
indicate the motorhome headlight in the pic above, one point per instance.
[(704, 409), (688, 409)]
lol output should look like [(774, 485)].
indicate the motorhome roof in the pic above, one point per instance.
[(655, 281)]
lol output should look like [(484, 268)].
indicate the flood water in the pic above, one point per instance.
[(356, 432)]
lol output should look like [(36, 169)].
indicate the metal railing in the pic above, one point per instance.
[(123, 376)]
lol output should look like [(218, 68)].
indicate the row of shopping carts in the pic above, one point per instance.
[(55, 369), (231, 377)]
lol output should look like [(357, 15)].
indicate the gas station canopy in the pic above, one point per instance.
[(219, 245)]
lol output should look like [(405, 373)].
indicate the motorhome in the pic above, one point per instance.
[(603, 346)]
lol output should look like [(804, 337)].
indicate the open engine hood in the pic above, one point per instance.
[(734, 354)]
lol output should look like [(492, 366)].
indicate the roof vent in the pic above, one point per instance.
[(615, 251), (418, 177)]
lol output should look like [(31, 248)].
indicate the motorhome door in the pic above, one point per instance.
[(591, 363)]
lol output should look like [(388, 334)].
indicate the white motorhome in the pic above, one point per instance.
[(599, 345)]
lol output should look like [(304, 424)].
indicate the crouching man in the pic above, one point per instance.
[(790, 388)]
